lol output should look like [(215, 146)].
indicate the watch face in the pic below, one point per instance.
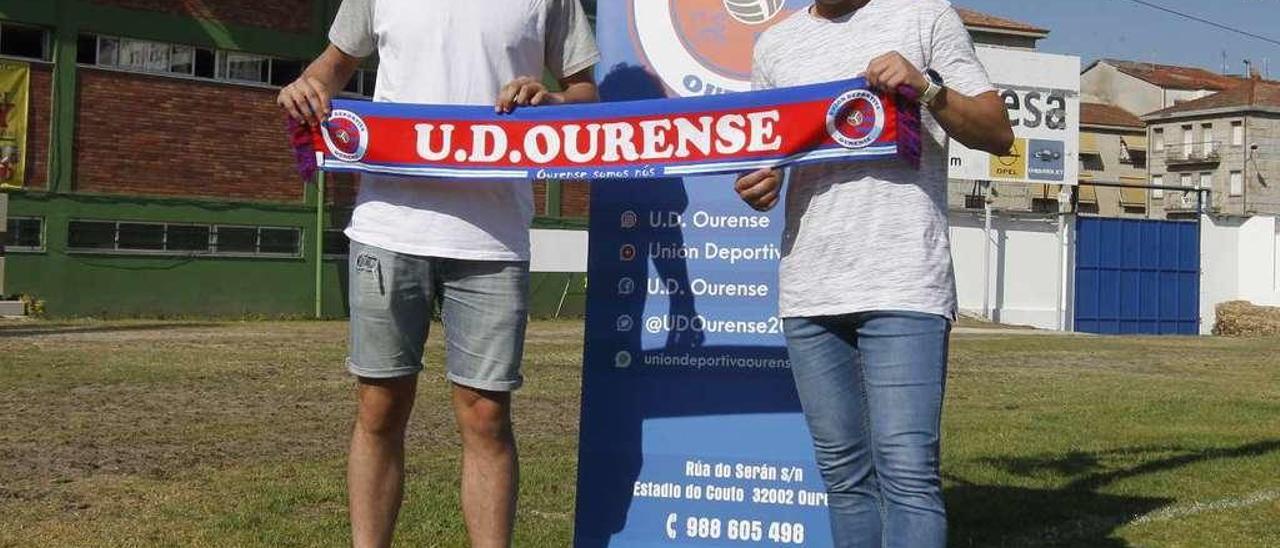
[(934, 76)]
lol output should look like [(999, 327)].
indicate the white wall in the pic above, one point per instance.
[(557, 250), (1025, 268), (1239, 260)]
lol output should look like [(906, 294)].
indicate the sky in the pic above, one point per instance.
[(1122, 29)]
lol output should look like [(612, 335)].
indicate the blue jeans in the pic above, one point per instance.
[(871, 385)]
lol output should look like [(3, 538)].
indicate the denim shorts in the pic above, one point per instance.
[(483, 306)]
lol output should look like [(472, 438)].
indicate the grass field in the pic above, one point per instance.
[(233, 434)]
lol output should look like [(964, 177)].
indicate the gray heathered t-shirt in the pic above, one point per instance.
[(864, 236)]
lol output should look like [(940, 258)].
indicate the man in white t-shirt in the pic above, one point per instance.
[(464, 243), (866, 285)]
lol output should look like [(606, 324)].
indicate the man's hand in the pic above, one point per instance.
[(523, 92), (306, 100), (891, 70), (759, 189)]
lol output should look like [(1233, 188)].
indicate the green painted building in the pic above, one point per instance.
[(159, 180)]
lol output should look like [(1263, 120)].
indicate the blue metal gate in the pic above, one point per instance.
[(1137, 276)]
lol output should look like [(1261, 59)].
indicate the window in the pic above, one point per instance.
[(182, 60), (1158, 139), (248, 240), (24, 234), (1044, 205), (141, 55), (87, 49), (140, 237), (1091, 161), (1157, 180), (1237, 183), (1088, 208), (1237, 134), (187, 238), (1188, 141), (1135, 210), (187, 60), (205, 63), (975, 201), (1206, 180), (1206, 133), (244, 67), (236, 239), (1186, 180), (91, 235), (283, 241), (285, 72), (336, 243), (24, 41), (1139, 159)]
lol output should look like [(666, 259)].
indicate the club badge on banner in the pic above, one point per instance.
[(15, 78)]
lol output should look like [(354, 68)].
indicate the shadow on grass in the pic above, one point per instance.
[(1075, 514), (69, 328)]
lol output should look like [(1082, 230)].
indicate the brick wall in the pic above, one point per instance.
[(539, 198), (340, 189), (38, 120), (282, 15), (155, 135), (574, 199)]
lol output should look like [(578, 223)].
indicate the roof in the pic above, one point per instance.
[(1175, 77), (978, 19), (1098, 114), (1254, 92)]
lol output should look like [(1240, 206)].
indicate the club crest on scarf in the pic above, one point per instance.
[(856, 118), (696, 46), (346, 135)]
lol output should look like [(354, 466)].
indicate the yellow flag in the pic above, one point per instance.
[(15, 79)]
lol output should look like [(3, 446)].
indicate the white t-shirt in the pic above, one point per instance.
[(865, 236), (456, 52)]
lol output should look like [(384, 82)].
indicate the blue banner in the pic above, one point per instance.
[(691, 430)]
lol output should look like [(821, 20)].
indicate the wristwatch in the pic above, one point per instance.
[(931, 93)]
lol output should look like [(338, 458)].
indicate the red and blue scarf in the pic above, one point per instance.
[(837, 121)]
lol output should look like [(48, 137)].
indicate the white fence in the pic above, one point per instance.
[(1239, 260), (1024, 280), (1024, 274)]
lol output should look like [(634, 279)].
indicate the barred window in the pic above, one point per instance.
[(182, 238), (24, 234)]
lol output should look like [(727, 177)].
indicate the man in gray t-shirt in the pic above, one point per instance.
[(464, 244), (867, 291)]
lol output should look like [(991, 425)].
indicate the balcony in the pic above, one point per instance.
[(1192, 154)]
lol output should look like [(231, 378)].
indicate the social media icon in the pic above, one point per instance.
[(628, 219), (626, 286), (622, 360), (628, 252), (625, 323)]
